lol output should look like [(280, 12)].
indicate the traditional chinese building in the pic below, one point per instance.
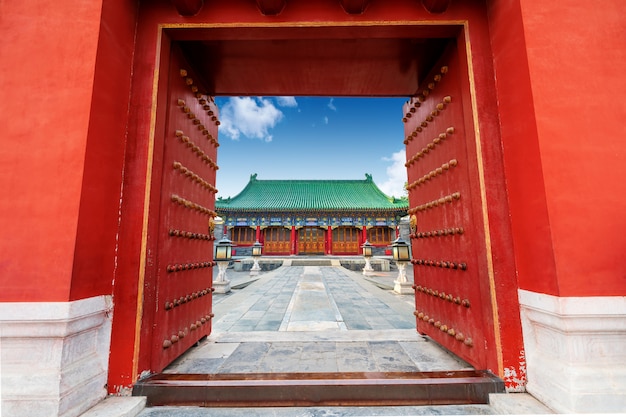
[(311, 217)]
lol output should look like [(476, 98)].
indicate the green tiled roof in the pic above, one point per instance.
[(311, 195)]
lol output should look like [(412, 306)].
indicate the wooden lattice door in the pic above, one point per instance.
[(184, 257), (449, 249), (346, 241), (277, 241), (311, 241)]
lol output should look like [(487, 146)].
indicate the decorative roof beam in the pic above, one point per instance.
[(271, 7), (436, 6), (188, 7), (354, 6)]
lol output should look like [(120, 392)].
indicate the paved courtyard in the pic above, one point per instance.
[(321, 319), (314, 319)]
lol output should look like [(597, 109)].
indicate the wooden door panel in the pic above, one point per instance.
[(352, 247), (185, 239), (311, 240), (276, 247), (346, 241), (452, 293)]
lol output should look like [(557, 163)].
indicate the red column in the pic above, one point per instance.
[(293, 240), (258, 233), (364, 235), (329, 241)]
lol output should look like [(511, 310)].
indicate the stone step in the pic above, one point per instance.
[(319, 389), (312, 262)]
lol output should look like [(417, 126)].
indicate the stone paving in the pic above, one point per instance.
[(320, 319), (442, 410), (314, 319), (312, 298)]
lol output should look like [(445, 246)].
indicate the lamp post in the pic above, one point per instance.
[(223, 255), (402, 255), (367, 254), (256, 254)]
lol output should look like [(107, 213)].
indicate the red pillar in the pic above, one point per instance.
[(258, 233), (364, 235), (293, 240), (329, 241)]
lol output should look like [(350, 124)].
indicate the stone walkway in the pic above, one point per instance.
[(312, 298), (321, 319), (314, 319)]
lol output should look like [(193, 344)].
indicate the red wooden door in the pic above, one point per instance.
[(311, 241), (277, 241), (452, 297), (185, 237), (346, 241)]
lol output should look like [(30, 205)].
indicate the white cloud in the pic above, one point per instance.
[(325, 120), (287, 101), (331, 105), (251, 117), (396, 175)]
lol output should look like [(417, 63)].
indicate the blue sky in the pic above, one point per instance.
[(310, 138)]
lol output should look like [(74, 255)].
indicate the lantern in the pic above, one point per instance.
[(400, 249), (256, 249), (367, 249), (223, 250)]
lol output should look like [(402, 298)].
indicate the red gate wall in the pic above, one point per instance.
[(452, 280), (157, 23), (184, 257), (64, 187)]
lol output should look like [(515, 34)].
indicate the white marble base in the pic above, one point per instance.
[(575, 351), (256, 268), (54, 356), (519, 403), (403, 287), (384, 265), (114, 406), (221, 287), (367, 269), (221, 284)]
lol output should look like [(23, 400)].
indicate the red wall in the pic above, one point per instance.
[(98, 222), (65, 76), (559, 74), (65, 72), (130, 337), (47, 62)]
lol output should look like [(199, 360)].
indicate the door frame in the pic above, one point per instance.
[(128, 357)]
